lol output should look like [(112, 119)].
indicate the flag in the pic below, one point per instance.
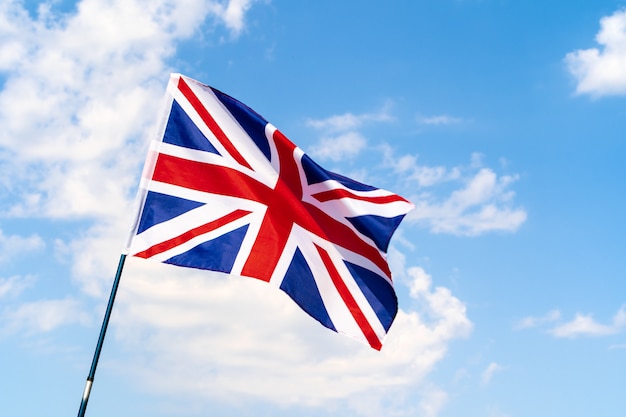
[(224, 190)]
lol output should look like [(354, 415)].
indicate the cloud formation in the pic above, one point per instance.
[(43, 316), (13, 286), (491, 369), (339, 147), (442, 119), (237, 329), (433, 401), (582, 325), (232, 14), (340, 134), (80, 94), (14, 245), (78, 99), (530, 321), (602, 71), (77, 103), (79, 90), (349, 121), (481, 203)]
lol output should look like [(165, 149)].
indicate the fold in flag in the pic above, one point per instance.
[(224, 190)]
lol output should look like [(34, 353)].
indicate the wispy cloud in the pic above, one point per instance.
[(481, 202), (15, 245), (349, 121), (341, 137), (494, 411), (482, 205), (584, 325), (433, 400), (489, 372), (43, 316), (340, 147), (530, 321), (14, 285), (601, 71), (233, 14), (442, 119), (423, 175)]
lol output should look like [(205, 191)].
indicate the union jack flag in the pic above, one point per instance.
[(224, 190)]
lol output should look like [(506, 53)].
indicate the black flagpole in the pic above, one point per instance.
[(103, 331)]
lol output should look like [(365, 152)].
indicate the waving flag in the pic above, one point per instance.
[(224, 190)]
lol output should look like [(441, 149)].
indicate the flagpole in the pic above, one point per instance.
[(103, 331)]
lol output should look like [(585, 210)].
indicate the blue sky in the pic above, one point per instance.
[(502, 121)]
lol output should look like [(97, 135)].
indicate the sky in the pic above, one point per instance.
[(502, 121)]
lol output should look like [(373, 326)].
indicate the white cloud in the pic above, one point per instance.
[(80, 96), (442, 119), (412, 171), (491, 369), (340, 147), (582, 325), (443, 308), (433, 401), (494, 411), (96, 253), (585, 325), (14, 245), (482, 205), (341, 138), (43, 316), (76, 107), (14, 285), (233, 14), (602, 72), (348, 121), (530, 321), (236, 330)]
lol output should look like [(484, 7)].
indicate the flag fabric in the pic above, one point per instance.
[(224, 190)]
